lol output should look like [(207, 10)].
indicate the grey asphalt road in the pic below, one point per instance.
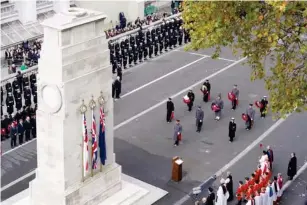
[(144, 146)]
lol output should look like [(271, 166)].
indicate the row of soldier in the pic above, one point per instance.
[(147, 44), (22, 87), (217, 106)]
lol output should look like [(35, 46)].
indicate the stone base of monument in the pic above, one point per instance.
[(133, 192)]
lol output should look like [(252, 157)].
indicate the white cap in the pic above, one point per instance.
[(227, 180), (222, 181)]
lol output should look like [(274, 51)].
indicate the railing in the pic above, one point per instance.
[(8, 10), (40, 4), (154, 24)]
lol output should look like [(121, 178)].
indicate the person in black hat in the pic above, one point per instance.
[(206, 93), (250, 112), (232, 129), (263, 109), (170, 108), (191, 96)]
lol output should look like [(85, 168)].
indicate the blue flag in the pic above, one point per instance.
[(102, 138)]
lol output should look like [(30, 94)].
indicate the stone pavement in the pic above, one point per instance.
[(143, 140)]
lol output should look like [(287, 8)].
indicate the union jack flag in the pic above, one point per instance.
[(94, 143), (85, 146)]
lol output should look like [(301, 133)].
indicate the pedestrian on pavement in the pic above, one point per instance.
[(250, 112), (206, 88), (13, 135), (170, 108), (292, 166), (235, 92), (232, 129), (270, 156), (199, 115), (191, 96), (210, 198), (229, 186), (116, 88), (177, 133)]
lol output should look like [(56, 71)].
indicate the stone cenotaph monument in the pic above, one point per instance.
[(74, 70)]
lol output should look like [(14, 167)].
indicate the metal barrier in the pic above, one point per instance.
[(115, 38)]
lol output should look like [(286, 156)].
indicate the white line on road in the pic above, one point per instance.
[(176, 95), (17, 180), (162, 77), (299, 172), (242, 154), (198, 54)]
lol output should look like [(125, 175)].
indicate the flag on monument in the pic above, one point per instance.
[(85, 146), (102, 138), (94, 143)]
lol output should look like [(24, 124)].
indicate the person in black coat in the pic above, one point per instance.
[(169, 109), (117, 88), (9, 103), (229, 186), (264, 103), (211, 197), (20, 130), (232, 129), (27, 126), (292, 166), (206, 95), (191, 96), (33, 125)]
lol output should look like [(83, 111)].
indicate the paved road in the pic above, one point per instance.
[(143, 141)]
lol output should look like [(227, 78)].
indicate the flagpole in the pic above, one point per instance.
[(83, 110), (92, 105)]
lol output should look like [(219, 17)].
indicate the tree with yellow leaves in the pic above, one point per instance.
[(261, 30)]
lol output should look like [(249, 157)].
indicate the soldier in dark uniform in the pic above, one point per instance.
[(263, 109), (34, 93), (150, 47), (116, 87), (171, 38), (166, 41), (8, 87), (10, 103), (156, 44), (119, 59), (114, 66), (1, 96), (208, 88), (18, 100), (25, 81), (33, 125), (125, 58), (119, 72), (145, 50), (18, 116), (27, 96), (161, 43), (32, 79), (140, 52), (180, 36), (15, 86), (135, 54), (130, 56), (175, 38), (191, 96)]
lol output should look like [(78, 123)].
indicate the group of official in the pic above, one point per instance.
[(146, 44), (217, 106)]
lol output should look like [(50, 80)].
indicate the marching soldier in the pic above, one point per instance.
[(125, 58), (232, 129), (199, 118), (156, 44), (191, 96), (27, 96), (130, 56), (250, 112), (145, 50), (135, 54), (119, 59), (32, 80), (8, 87), (166, 41), (206, 95), (175, 38), (263, 109), (20, 78), (170, 108), (235, 92), (18, 100), (15, 85), (220, 103), (9, 103), (150, 47), (161, 46), (114, 66), (25, 81)]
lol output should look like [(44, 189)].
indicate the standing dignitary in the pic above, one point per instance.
[(21, 131), (192, 98), (177, 133), (199, 115), (263, 109), (206, 88), (116, 88), (270, 156), (222, 194), (292, 166), (232, 129), (27, 126), (235, 92), (170, 108), (211, 197), (229, 186), (250, 112), (33, 125), (13, 135), (220, 103)]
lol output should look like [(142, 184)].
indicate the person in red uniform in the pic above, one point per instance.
[(240, 193)]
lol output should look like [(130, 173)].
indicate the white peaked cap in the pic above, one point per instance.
[(227, 180), (222, 181)]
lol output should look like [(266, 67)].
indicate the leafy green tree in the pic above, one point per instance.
[(260, 30)]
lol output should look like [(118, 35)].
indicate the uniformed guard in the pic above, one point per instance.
[(116, 88), (145, 50), (135, 54), (27, 96), (1, 96), (25, 81), (8, 87), (156, 44), (175, 38), (171, 38), (150, 47), (33, 125), (114, 66), (119, 72), (132, 40), (140, 52), (166, 41), (125, 58), (130, 56), (10, 103), (263, 109), (250, 112), (161, 43), (34, 93), (18, 100), (32, 80), (206, 95), (15, 86)]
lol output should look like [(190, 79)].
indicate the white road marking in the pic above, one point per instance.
[(15, 148), (299, 172), (176, 95), (17, 180), (162, 77), (242, 154), (199, 54)]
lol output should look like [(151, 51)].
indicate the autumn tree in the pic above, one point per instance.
[(262, 31)]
